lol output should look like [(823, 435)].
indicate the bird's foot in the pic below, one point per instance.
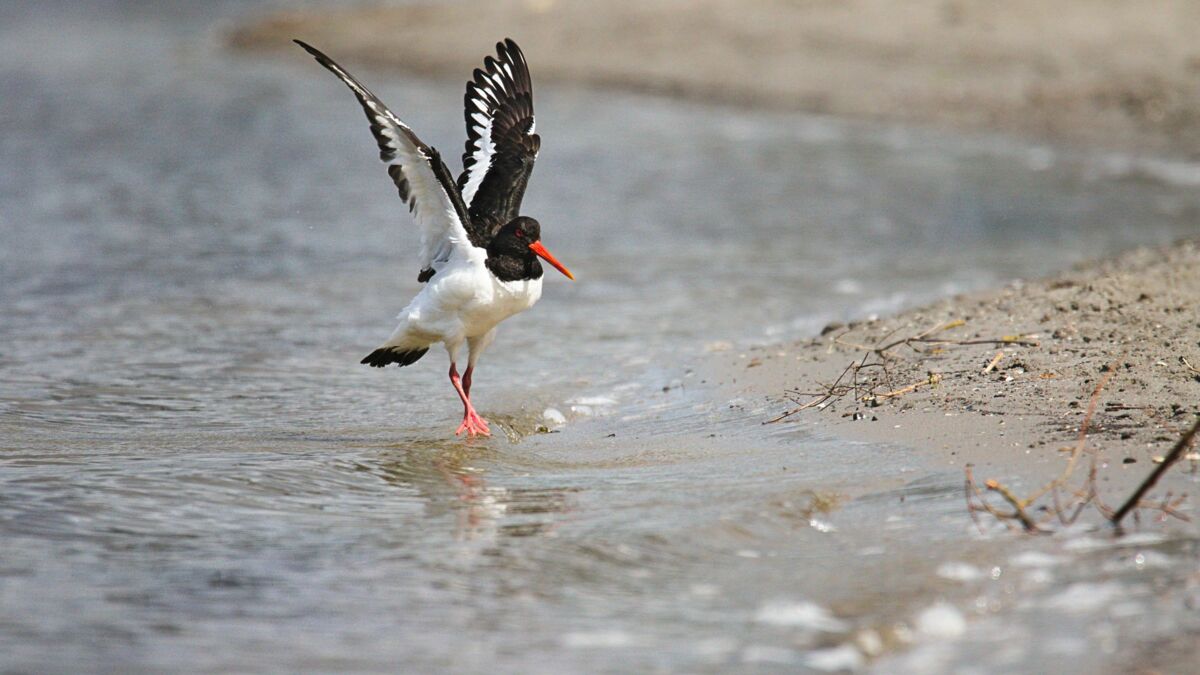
[(473, 424)]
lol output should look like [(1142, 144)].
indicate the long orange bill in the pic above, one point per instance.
[(542, 253)]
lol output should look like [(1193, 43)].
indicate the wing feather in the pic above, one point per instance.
[(421, 177), (501, 144)]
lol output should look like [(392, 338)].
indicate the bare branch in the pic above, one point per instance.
[(1181, 446)]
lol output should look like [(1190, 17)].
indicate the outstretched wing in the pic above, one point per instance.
[(501, 143), (421, 176)]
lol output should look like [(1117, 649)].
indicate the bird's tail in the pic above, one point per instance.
[(399, 355), (404, 347)]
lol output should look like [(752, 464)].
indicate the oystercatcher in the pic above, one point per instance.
[(479, 257)]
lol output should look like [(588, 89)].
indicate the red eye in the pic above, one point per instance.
[(520, 233)]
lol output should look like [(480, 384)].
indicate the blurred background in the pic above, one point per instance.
[(1112, 73), (198, 244)]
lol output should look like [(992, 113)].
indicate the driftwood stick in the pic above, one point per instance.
[(1013, 501), (1181, 446), (973, 487)]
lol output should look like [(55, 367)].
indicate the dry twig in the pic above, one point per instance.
[(1087, 494), (831, 391), (932, 380), (863, 389), (994, 362), (1081, 442), (1181, 446)]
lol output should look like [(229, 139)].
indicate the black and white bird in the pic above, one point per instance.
[(478, 257)]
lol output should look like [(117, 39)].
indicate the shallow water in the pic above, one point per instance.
[(195, 474)]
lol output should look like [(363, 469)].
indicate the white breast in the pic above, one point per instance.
[(463, 300), (505, 299)]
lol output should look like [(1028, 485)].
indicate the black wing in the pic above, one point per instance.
[(501, 143)]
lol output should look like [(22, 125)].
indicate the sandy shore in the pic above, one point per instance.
[(1003, 379), (1115, 74)]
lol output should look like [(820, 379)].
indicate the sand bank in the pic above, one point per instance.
[(1003, 379)]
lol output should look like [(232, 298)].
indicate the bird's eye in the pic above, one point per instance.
[(520, 233)]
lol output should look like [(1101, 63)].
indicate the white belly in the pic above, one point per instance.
[(504, 299), (463, 300)]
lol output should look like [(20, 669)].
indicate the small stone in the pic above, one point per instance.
[(553, 418)]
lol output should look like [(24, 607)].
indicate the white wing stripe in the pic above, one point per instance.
[(484, 149), (491, 86), (495, 80)]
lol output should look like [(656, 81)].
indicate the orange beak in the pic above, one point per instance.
[(542, 253)]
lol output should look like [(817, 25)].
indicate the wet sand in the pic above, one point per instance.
[(1003, 379), (1112, 74)]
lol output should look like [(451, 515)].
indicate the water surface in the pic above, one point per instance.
[(196, 475)]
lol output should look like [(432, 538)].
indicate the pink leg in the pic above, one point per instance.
[(472, 423)]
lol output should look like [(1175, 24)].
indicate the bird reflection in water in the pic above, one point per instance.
[(444, 475)]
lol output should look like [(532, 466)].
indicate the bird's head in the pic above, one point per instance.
[(522, 236)]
